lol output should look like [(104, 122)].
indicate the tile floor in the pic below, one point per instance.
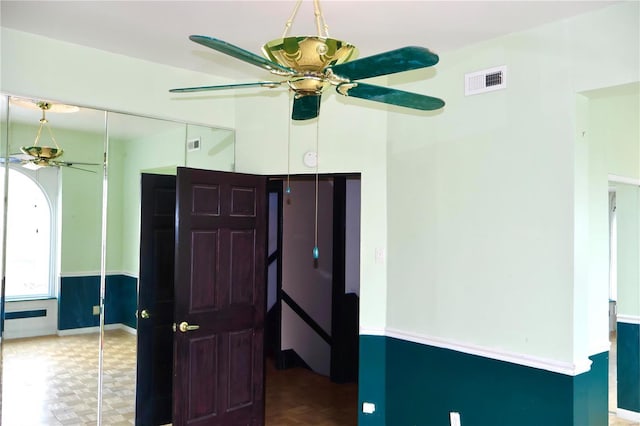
[(60, 374)]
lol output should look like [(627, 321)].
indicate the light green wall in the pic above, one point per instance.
[(352, 138), (628, 218), (614, 128), (482, 197), (41, 67)]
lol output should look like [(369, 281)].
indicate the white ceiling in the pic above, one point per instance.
[(158, 31)]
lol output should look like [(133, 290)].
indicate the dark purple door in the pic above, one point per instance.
[(155, 300), (219, 299)]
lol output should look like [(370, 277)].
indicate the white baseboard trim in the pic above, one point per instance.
[(96, 274), (567, 368), (128, 329), (75, 331), (129, 274), (628, 319), (623, 179), (89, 330), (372, 331), (20, 334), (628, 415)]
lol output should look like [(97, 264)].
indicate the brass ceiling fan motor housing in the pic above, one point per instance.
[(310, 56)]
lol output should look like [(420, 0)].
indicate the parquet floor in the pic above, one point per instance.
[(300, 397), (52, 381)]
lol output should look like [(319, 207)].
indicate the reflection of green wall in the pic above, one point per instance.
[(614, 149), (160, 148), (168, 148), (607, 142), (217, 148), (81, 195), (614, 124), (628, 221)]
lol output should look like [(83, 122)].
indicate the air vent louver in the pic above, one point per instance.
[(193, 144), (485, 81)]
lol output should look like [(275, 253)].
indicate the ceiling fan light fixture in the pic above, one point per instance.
[(51, 106), (309, 53), (41, 155), (33, 165), (42, 152)]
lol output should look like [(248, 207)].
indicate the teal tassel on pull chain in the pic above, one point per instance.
[(316, 253), (288, 190)]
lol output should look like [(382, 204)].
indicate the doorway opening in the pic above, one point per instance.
[(312, 320)]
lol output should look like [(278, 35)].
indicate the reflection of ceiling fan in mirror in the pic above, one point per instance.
[(36, 156), (310, 64)]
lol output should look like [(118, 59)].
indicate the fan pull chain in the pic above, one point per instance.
[(316, 251), (289, 119)]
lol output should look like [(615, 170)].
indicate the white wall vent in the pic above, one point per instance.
[(485, 81), (193, 144)]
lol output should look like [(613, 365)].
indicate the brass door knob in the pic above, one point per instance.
[(184, 327), (144, 314)]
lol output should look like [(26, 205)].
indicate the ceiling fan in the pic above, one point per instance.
[(310, 64), (37, 156)]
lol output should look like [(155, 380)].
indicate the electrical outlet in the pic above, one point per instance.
[(368, 407), (379, 256), (96, 310), (454, 418)]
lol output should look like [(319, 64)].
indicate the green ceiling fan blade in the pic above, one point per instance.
[(238, 53), (11, 160), (267, 84), (71, 163), (399, 60), (72, 166), (306, 107), (390, 96)]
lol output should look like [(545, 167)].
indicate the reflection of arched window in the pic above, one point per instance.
[(30, 233)]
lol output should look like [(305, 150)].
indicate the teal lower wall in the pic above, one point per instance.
[(372, 379), (591, 393), (628, 350), (422, 384), (78, 295)]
